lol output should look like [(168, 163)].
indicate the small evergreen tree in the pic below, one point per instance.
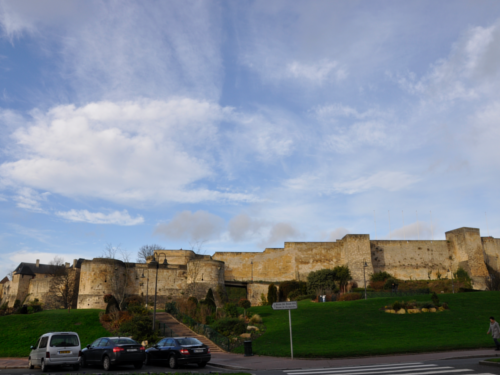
[(244, 304), (272, 294), (210, 299)]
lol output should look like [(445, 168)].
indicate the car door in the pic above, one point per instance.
[(103, 345), (90, 353), (34, 352), (165, 350), (42, 348), (154, 352)]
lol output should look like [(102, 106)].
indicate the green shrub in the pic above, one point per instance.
[(210, 320), (380, 276), (226, 326), (231, 310), (389, 282), (137, 310), (294, 294), (244, 303), (435, 299), (4, 306), (349, 297), (272, 294), (462, 276), (240, 328), (256, 319), (321, 281), (397, 306), (343, 276), (306, 296), (171, 308), (210, 299), (17, 303), (193, 301), (139, 327), (287, 287)]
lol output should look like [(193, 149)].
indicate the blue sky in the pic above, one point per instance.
[(239, 125)]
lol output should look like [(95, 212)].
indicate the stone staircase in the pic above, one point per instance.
[(180, 330)]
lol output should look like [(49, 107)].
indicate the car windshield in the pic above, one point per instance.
[(123, 341), (189, 341), (64, 340)]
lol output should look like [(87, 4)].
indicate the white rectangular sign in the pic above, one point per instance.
[(292, 305)]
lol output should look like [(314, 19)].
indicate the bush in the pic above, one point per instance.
[(435, 299), (389, 282), (240, 328), (4, 306), (287, 287), (210, 299), (306, 296), (462, 276), (226, 326), (139, 327), (321, 281), (107, 298), (255, 319), (397, 306), (17, 303), (349, 297), (445, 306), (361, 290), (294, 294), (263, 299), (112, 305), (244, 303), (137, 310), (193, 301), (467, 290), (231, 310), (171, 308), (134, 301), (272, 294), (381, 276)]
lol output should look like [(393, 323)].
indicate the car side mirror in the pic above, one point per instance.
[(88, 346), (32, 347)]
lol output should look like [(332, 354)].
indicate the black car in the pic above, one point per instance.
[(179, 351), (113, 351)]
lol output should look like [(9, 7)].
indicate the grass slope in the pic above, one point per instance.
[(358, 328), (19, 332)]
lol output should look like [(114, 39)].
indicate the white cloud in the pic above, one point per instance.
[(318, 73), (196, 226), (417, 230), (30, 199), (242, 227), (279, 233), (44, 257), (115, 217), (124, 152), (322, 183)]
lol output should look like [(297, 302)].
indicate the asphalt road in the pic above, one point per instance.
[(468, 366)]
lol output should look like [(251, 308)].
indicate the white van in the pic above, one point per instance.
[(56, 349)]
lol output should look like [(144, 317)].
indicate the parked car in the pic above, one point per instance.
[(177, 351), (56, 349), (113, 351)]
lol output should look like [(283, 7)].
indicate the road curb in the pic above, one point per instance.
[(228, 366), (487, 363), (12, 367)]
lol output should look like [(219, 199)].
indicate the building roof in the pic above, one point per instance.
[(4, 280), (25, 270)]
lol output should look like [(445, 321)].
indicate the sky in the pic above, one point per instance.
[(241, 125)]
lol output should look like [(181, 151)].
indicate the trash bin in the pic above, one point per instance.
[(248, 348)]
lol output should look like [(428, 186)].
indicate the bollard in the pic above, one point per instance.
[(248, 348)]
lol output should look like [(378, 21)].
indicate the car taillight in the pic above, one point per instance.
[(47, 355), (80, 353), (208, 350), (184, 351), (118, 349), (143, 348)]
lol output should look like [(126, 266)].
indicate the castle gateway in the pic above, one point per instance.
[(181, 273)]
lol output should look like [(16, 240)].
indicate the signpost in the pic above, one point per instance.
[(287, 306)]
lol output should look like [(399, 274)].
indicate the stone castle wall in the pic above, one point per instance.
[(190, 274)]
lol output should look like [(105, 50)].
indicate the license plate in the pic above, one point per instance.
[(65, 352), (132, 350), (198, 350)]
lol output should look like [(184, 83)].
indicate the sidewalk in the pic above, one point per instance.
[(13, 363), (240, 362)]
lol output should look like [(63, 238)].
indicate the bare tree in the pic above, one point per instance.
[(147, 251), (57, 261), (119, 277), (63, 286), (195, 267)]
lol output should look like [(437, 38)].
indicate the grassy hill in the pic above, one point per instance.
[(19, 332), (358, 328)]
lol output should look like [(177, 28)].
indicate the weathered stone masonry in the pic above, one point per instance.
[(187, 273)]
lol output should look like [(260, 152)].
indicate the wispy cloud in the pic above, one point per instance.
[(115, 217)]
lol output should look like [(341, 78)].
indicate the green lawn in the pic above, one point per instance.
[(19, 332), (358, 328), (493, 360)]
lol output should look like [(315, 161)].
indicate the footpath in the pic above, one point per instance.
[(239, 362)]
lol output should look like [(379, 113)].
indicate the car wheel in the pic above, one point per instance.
[(202, 364), (106, 363), (138, 365), (76, 367), (83, 361), (30, 364), (43, 366), (172, 361)]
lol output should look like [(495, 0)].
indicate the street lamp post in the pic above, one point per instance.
[(251, 262), (364, 274), (147, 287), (165, 263)]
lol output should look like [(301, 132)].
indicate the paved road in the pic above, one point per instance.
[(468, 366)]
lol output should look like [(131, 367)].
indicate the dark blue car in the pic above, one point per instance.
[(113, 351), (176, 351)]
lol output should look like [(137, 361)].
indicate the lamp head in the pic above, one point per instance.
[(165, 263)]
